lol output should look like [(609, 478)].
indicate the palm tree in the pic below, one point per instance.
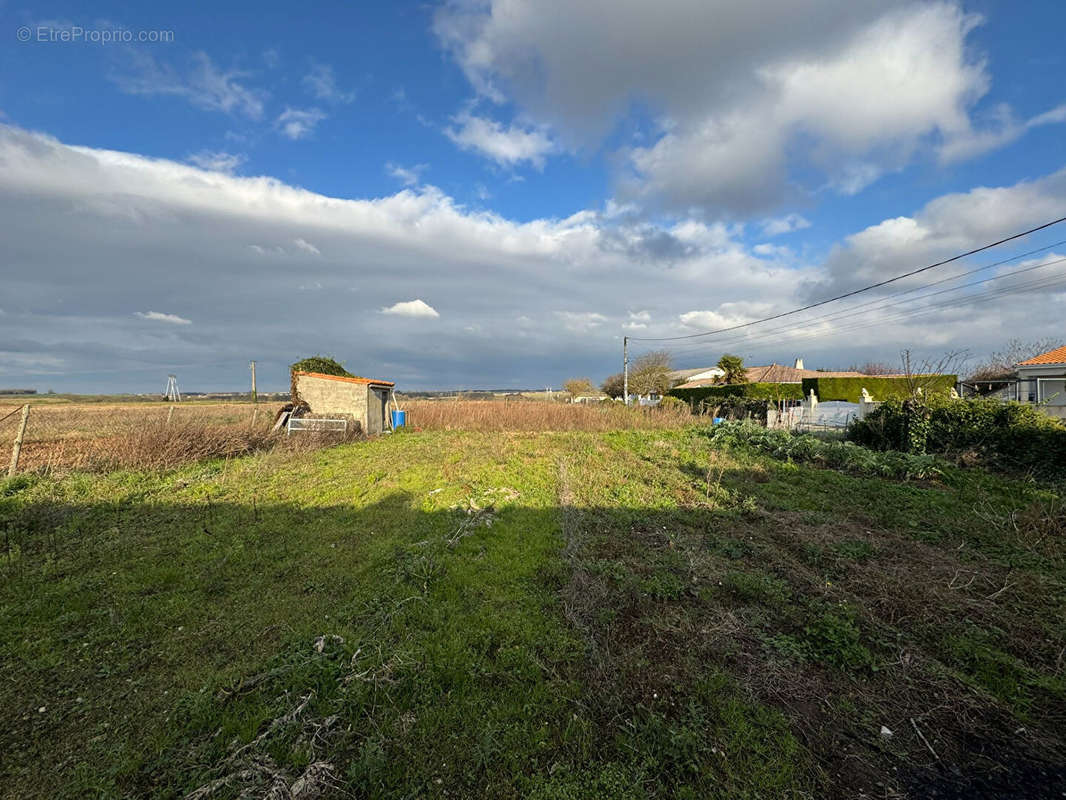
[(733, 369)]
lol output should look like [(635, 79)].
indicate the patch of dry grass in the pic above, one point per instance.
[(140, 436), (491, 415)]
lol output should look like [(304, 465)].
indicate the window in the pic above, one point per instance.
[(1052, 391)]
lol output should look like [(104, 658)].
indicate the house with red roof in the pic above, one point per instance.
[(1042, 379)]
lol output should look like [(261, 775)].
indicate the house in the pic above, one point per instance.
[(774, 373), (364, 400), (1042, 379), (679, 376)]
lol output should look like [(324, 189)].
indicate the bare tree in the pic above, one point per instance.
[(580, 387), (874, 368), (650, 374), (923, 376), (1000, 364)]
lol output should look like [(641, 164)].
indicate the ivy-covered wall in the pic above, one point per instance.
[(757, 391), (880, 388)]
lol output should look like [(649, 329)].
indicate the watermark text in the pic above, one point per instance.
[(75, 34)]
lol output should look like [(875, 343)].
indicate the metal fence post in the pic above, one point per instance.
[(17, 449)]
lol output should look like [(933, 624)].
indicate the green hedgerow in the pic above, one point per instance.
[(1006, 435)]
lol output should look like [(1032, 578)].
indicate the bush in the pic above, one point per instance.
[(881, 388), (838, 455), (1006, 435), (762, 391), (323, 365), (673, 404)]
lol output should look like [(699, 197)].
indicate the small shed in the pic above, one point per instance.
[(366, 400)]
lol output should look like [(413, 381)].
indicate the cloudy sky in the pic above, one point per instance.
[(492, 193)]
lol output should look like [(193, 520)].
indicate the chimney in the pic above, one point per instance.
[(798, 364)]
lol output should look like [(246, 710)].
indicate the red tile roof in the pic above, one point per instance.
[(353, 379), (1056, 356), (778, 373)]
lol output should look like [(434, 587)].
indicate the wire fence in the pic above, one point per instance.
[(63, 436)]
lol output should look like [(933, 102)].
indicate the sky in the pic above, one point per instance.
[(493, 193)]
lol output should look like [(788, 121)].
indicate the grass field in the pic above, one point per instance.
[(567, 614)]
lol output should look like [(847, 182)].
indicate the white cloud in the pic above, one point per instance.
[(266, 250), (740, 92), (412, 308), (1003, 130), (504, 276), (217, 160), (786, 224), (203, 84), (947, 225), (864, 106), (638, 321), (767, 250), (726, 316), (321, 82), (408, 176), (580, 321), (158, 316), (307, 247), (297, 123), (508, 146)]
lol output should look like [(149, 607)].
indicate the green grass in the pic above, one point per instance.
[(635, 614)]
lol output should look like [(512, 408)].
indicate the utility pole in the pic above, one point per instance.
[(172, 393), (255, 397), (625, 369)]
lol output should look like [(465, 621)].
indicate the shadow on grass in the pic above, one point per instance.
[(493, 650)]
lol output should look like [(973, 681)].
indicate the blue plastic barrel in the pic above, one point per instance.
[(717, 420), (399, 418)]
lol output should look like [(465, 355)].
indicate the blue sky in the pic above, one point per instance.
[(541, 177)]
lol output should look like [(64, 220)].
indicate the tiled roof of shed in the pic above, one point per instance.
[(353, 379)]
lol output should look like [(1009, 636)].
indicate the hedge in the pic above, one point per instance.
[(757, 391), (880, 388), (1009, 435)]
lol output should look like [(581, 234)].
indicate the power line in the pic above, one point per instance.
[(1041, 283), (854, 291), (887, 302)]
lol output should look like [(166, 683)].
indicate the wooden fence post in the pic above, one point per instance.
[(170, 414), (17, 449)]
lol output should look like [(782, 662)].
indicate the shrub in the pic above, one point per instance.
[(1006, 435), (839, 455), (324, 365), (673, 404)]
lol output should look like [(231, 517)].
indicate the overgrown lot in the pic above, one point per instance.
[(561, 615)]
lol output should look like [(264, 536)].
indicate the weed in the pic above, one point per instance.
[(756, 588), (833, 637), (854, 549), (532, 415), (838, 455)]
